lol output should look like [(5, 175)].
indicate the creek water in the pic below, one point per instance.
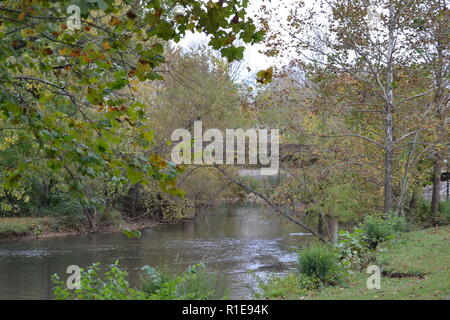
[(229, 240)]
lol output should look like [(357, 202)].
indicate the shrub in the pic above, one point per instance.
[(148, 200), (112, 285), (74, 221), (353, 249), (280, 287), (444, 212), (422, 213), (153, 279), (195, 283), (203, 284), (67, 211), (319, 266), (399, 224), (378, 230), (444, 207)]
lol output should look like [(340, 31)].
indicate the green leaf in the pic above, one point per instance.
[(131, 233), (233, 53), (134, 176)]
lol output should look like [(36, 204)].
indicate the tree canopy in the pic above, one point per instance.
[(69, 95)]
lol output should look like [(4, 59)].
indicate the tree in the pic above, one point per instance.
[(71, 91), (362, 43), (431, 44)]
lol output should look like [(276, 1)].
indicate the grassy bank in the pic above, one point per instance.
[(34, 227), (415, 266), (20, 227)]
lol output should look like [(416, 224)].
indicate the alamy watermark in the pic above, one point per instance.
[(74, 20), (374, 281), (74, 280), (229, 148)]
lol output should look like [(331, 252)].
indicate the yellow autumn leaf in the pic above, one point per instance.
[(21, 16), (64, 52), (106, 45), (114, 21)]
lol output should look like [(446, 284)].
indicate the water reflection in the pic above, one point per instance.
[(229, 240)]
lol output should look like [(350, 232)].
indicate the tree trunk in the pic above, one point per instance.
[(388, 164), (436, 196), (333, 229), (441, 103), (389, 120), (320, 225), (404, 183), (413, 202)]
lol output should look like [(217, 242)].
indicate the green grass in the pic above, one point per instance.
[(282, 288), (422, 257), (23, 226)]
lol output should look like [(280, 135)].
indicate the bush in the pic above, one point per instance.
[(153, 279), (76, 221), (398, 224), (203, 284), (378, 230), (148, 200), (112, 285), (197, 283), (422, 213), (280, 287), (444, 212), (194, 284), (319, 266), (353, 249)]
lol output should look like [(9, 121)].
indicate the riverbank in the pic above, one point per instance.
[(46, 227), (415, 266)]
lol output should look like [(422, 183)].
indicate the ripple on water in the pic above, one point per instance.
[(37, 253)]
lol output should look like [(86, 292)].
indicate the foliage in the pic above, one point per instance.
[(444, 212), (340, 201), (204, 284), (418, 257), (69, 95), (421, 213), (378, 229), (112, 285), (152, 279), (338, 91), (319, 266), (285, 287), (196, 283), (353, 249)]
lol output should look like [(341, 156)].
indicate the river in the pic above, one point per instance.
[(229, 240)]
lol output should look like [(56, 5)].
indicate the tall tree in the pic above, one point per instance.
[(71, 90), (364, 41)]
